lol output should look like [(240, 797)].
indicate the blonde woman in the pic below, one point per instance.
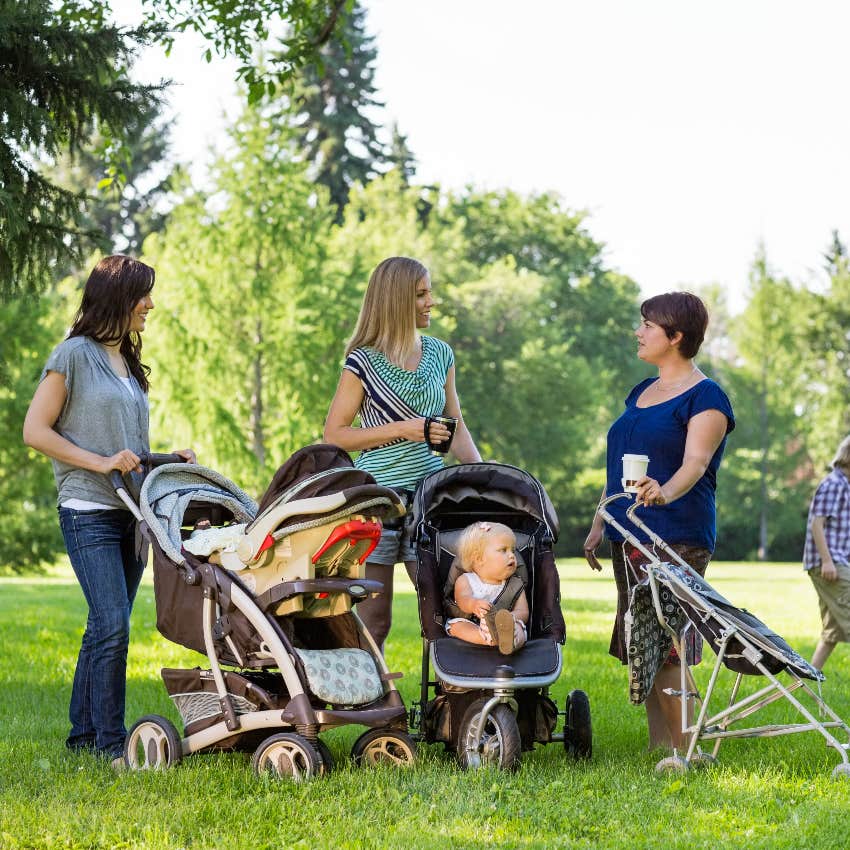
[(395, 378)]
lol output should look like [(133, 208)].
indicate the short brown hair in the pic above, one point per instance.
[(681, 312)]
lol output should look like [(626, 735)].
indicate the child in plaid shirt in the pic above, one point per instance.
[(826, 556)]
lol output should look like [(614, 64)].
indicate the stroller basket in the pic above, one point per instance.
[(683, 600)]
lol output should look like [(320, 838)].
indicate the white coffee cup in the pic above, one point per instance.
[(634, 468)]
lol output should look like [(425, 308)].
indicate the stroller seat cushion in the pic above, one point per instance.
[(217, 539), (454, 657), (342, 676)]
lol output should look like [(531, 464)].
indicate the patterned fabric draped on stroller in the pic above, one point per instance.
[(267, 591), (673, 599)]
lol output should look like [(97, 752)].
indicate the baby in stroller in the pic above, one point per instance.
[(489, 605), (489, 706)]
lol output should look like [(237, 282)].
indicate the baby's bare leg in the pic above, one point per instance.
[(519, 634), (468, 631)]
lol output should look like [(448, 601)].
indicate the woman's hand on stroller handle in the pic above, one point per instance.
[(126, 461)]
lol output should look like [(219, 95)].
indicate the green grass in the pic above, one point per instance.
[(773, 793)]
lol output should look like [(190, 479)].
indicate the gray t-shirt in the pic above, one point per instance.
[(98, 415)]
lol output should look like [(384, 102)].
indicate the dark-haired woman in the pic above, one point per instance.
[(680, 419), (89, 414)]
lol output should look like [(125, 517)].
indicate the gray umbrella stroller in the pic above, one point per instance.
[(673, 599), (485, 706), (266, 593)]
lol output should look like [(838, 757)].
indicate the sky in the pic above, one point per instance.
[(690, 133)]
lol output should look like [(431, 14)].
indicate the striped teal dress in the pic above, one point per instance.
[(392, 394)]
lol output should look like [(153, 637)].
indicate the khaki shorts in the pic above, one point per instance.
[(834, 600)]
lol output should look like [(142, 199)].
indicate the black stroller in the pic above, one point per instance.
[(266, 593), (485, 706), (673, 599)]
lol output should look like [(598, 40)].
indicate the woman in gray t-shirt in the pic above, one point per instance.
[(89, 415)]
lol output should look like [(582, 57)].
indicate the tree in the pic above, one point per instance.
[(331, 103), (237, 272), (122, 213), (771, 391), (63, 74), (29, 328), (401, 156), (236, 27)]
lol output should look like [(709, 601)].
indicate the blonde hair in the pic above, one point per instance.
[(470, 547), (842, 455), (387, 320)]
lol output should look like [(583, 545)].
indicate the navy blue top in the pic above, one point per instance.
[(660, 432)]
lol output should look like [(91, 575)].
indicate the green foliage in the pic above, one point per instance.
[(236, 27), (331, 104), (122, 212), (237, 273), (29, 329), (62, 74)]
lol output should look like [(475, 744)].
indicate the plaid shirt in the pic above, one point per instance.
[(831, 501)]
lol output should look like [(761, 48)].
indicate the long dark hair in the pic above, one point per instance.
[(115, 286)]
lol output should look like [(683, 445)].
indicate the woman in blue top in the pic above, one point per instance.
[(680, 419), (394, 378)]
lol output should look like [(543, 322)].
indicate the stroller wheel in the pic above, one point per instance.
[(287, 756), (672, 764), (384, 746), (325, 755), (152, 743), (498, 744), (578, 730), (841, 771), (701, 759)]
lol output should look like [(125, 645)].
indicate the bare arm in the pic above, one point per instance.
[(594, 538), (344, 406), (705, 433), (467, 602), (39, 433), (463, 447), (827, 566)]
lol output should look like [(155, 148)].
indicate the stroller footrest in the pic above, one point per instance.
[(457, 658)]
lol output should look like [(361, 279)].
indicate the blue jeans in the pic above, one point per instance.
[(101, 545)]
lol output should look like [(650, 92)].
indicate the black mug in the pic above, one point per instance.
[(442, 447)]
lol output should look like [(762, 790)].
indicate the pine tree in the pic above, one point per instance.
[(62, 76), (123, 212), (332, 99), (401, 156)]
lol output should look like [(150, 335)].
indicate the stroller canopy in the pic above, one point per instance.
[(167, 492), (498, 483)]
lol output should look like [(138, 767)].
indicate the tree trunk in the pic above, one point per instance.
[(765, 446), (257, 398)]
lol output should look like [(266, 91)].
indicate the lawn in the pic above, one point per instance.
[(774, 792)]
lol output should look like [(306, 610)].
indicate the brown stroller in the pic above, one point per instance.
[(266, 594)]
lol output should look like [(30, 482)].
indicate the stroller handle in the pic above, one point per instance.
[(148, 461)]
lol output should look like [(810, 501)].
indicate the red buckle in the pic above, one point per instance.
[(266, 544), (354, 530)]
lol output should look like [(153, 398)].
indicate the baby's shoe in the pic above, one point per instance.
[(501, 626)]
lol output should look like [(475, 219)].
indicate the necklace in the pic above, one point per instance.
[(675, 386)]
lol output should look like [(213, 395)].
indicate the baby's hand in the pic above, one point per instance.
[(482, 606)]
